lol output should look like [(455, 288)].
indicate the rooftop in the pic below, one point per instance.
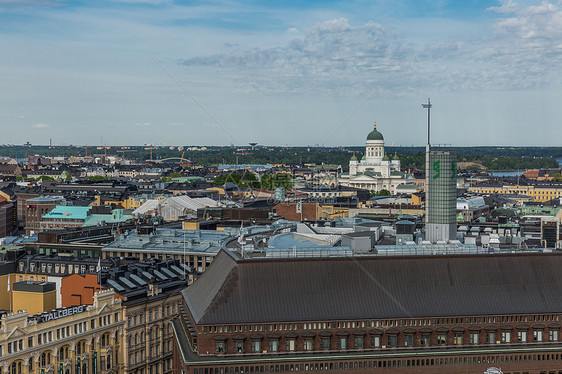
[(237, 290)]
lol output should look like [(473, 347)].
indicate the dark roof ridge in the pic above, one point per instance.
[(211, 292)]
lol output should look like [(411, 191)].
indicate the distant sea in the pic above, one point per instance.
[(509, 173), (559, 160)]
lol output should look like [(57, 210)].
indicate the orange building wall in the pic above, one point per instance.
[(78, 290)]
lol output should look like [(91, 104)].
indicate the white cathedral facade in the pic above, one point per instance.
[(377, 171)]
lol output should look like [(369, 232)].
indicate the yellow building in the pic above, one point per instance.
[(34, 296), (538, 193), (332, 212), (84, 339), (5, 295)]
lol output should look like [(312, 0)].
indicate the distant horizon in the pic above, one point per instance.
[(270, 146)]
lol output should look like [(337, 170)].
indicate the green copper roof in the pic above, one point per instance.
[(353, 158), (375, 135), (69, 212)]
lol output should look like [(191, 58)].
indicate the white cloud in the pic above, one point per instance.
[(41, 126), (338, 58), (507, 7), (20, 117), (142, 124)]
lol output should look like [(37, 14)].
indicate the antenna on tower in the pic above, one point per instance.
[(428, 107)]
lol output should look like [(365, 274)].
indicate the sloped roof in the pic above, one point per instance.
[(258, 290), (147, 206)]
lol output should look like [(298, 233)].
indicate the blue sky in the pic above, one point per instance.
[(286, 72)]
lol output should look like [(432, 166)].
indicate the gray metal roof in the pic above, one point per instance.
[(268, 290)]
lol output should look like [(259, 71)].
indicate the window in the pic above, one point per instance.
[(308, 344), (457, 338), (273, 345), (553, 335), (358, 342), (376, 341), (490, 337), (473, 338), (441, 339), (392, 340), (537, 335), (239, 347), (219, 347), (522, 336), (45, 359), (409, 340), (425, 340), (325, 343), (255, 346), (291, 345), (506, 337), (342, 342)]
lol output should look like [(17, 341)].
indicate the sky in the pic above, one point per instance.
[(297, 73)]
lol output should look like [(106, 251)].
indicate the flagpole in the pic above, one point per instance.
[(9, 293), (98, 269)]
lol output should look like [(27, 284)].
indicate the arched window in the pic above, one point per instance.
[(63, 353), (84, 369), (81, 347), (45, 358), (16, 367)]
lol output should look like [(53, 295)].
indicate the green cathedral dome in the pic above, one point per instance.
[(375, 135)]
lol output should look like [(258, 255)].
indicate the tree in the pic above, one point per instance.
[(383, 192), (270, 182), (557, 177), (66, 176), (96, 178)]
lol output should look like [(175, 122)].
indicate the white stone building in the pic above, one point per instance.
[(376, 170)]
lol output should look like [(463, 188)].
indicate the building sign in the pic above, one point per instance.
[(61, 313), (78, 366), (436, 169)]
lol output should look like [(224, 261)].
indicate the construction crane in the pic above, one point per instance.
[(150, 150)]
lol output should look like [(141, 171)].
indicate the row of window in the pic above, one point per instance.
[(61, 333), (374, 364), (381, 323), (152, 315), (63, 354), (389, 341)]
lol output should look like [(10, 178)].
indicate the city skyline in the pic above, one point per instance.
[(222, 72)]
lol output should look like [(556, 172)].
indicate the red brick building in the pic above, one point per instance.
[(298, 211), (432, 314)]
